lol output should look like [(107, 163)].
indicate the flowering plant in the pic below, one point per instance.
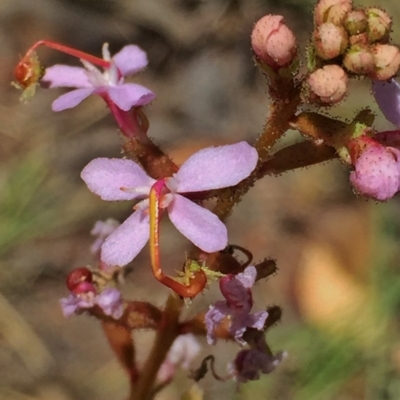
[(198, 196)]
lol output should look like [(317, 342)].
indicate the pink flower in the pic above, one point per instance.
[(239, 300), (108, 84), (181, 354), (377, 168), (387, 96), (208, 169)]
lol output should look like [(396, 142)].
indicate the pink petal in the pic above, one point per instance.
[(216, 167), (377, 173), (387, 96), (71, 99), (130, 95), (130, 60), (125, 243), (106, 176), (199, 225), (66, 76), (248, 277)]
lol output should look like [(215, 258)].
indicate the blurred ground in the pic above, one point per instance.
[(338, 256)]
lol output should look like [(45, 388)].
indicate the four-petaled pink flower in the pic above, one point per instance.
[(239, 300), (109, 84), (209, 169)]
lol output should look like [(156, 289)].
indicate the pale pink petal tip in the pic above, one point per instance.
[(216, 167)]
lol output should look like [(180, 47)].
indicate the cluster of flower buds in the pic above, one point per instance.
[(347, 42)]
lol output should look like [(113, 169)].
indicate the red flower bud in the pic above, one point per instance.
[(273, 42), (77, 276), (387, 61), (330, 40), (327, 85), (331, 11)]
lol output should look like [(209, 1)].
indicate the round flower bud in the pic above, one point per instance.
[(330, 40), (77, 276), (273, 42), (379, 25), (359, 59), (356, 22), (331, 11), (327, 85), (387, 61)]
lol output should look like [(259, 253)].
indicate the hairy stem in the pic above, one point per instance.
[(166, 334)]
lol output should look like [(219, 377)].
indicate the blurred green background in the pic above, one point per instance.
[(338, 255)]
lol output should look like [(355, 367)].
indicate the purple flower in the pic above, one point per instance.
[(110, 301), (387, 96), (109, 84), (250, 363), (85, 296), (208, 169), (237, 291), (377, 169), (76, 303)]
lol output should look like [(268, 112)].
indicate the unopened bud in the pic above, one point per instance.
[(331, 11), (379, 24), (327, 85), (356, 22), (387, 61), (359, 59), (330, 40), (77, 276), (273, 42), (361, 39)]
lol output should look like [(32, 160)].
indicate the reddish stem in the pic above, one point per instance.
[(71, 51), (198, 280)]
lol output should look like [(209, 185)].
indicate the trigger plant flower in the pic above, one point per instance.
[(237, 306), (208, 169), (108, 83)]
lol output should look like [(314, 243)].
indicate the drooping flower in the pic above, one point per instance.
[(237, 306), (258, 359), (387, 96), (109, 84), (209, 169), (376, 168), (181, 355)]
